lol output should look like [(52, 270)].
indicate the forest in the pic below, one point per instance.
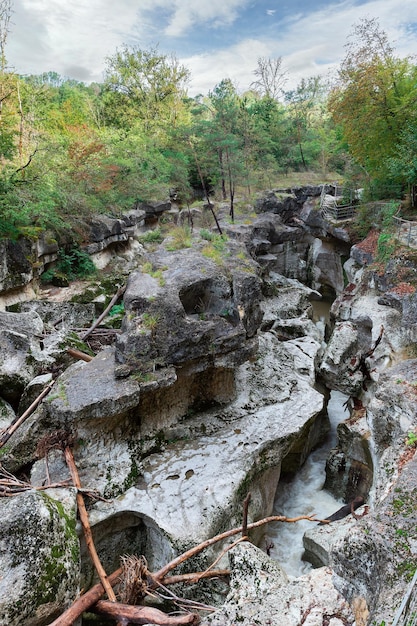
[(69, 150)]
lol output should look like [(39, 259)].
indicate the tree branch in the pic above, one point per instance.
[(86, 525), (127, 614)]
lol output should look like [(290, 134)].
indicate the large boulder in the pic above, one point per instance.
[(21, 353), (192, 310), (16, 269), (341, 365), (260, 593), (39, 556)]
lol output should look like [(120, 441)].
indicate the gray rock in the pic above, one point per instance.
[(58, 314), (7, 414), (90, 391), (39, 557), (319, 540), (20, 352), (15, 267), (261, 594), (340, 365), (197, 311)]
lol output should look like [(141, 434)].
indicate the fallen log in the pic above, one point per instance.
[(112, 302), (77, 354), (85, 602), (344, 511), (127, 614), (86, 525), (8, 432), (93, 595)]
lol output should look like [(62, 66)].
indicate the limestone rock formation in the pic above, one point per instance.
[(39, 556), (260, 593)]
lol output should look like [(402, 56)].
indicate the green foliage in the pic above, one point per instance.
[(180, 237), (374, 103), (388, 212), (216, 249), (70, 150), (208, 235), (385, 247), (73, 264), (152, 236), (117, 309), (412, 439), (147, 268), (150, 320)]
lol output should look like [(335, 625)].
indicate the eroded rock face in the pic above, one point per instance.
[(378, 557), (250, 436), (292, 238), (20, 352), (374, 559), (260, 593), (15, 267), (341, 368), (219, 394), (39, 556), (192, 312)]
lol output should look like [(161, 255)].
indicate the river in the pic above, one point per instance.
[(304, 495)]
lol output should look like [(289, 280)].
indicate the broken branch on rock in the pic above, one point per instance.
[(85, 602), (91, 597), (69, 457), (112, 302), (77, 354), (127, 614), (8, 432), (225, 535)]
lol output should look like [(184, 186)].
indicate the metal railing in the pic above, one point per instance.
[(339, 206), (406, 230), (407, 611)]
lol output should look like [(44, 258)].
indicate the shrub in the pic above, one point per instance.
[(71, 265)]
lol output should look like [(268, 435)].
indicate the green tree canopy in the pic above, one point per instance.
[(375, 97)]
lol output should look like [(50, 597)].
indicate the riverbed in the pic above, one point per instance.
[(304, 495)]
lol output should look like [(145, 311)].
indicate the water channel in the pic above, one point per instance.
[(304, 495)]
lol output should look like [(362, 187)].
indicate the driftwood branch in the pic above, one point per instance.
[(85, 602), (18, 421), (86, 525), (77, 354), (191, 577), (112, 302), (127, 614), (160, 574), (93, 595)]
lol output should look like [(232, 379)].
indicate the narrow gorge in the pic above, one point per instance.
[(213, 378)]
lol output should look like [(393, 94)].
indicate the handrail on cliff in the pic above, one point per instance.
[(339, 206), (407, 230), (406, 614)]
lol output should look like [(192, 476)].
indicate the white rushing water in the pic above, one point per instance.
[(304, 495)]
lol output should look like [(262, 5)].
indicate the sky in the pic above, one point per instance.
[(214, 39)]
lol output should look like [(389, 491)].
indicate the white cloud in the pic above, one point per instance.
[(186, 14), (236, 62), (74, 38), (309, 44), (53, 35)]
